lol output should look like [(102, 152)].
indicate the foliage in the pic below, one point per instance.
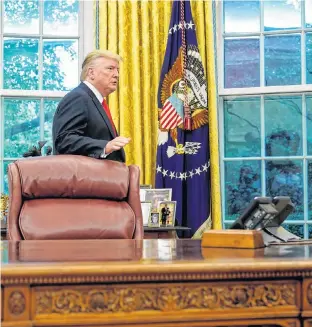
[(22, 12), (247, 188), (21, 64)]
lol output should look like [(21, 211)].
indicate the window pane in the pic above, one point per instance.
[(242, 127), (241, 62), (5, 175), (49, 110), (21, 121), (227, 225), (284, 177), (309, 189), (21, 16), (295, 229), (309, 231), (282, 60), (281, 14), (242, 184), (309, 124), (61, 17), (283, 125), (309, 57), (308, 13), (20, 64), (241, 16), (60, 64)]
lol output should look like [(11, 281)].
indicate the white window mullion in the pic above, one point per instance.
[(32, 93), (286, 89), (262, 131), (220, 47), (86, 29), (303, 43), (1, 143), (304, 166), (1, 99), (303, 58), (41, 120), (262, 73), (270, 158), (222, 157), (1, 44), (40, 52)]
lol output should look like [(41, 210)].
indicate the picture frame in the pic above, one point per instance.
[(167, 213), (146, 211), (143, 188), (154, 220), (157, 195)]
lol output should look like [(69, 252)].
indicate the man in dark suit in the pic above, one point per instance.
[(82, 123)]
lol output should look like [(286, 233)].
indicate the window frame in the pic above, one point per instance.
[(303, 90), (85, 45)]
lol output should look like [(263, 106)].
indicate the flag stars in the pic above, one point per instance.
[(198, 171), (183, 176), (172, 174), (187, 26), (190, 25), (205, 167)]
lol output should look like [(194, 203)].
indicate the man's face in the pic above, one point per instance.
[(105, 74)]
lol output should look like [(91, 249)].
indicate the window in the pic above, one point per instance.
[(265, 97), (41, 51)]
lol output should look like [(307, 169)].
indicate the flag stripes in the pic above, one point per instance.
[(169, 118)]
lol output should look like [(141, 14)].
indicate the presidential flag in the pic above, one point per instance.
[(183, 140)]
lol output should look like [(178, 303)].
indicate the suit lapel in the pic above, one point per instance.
[(99, 107), (101, 110)]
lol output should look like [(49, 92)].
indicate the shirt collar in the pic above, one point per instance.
[(95, 91)]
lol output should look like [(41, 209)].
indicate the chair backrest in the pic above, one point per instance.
[(73, 197)]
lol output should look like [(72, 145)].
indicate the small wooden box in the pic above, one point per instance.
[(233, 238)]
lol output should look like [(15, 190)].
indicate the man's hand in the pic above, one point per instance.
[(116, 144)]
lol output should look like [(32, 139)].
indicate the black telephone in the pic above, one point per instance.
[(259, 210), (267, 215)]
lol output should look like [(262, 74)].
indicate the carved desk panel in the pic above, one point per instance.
[(156, 282)]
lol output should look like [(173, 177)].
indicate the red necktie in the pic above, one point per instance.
[(106, 109)]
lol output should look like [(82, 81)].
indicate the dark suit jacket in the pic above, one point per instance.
[(81, 126)]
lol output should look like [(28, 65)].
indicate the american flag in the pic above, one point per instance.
[(169, 117), (186, 170)]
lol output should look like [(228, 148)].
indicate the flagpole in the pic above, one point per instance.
[(187, 114)]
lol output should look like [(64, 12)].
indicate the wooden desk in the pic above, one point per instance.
[(154, 283)]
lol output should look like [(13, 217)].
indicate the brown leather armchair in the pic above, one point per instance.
[(73, 197)]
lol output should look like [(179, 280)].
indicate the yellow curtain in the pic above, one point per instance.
[(137, 30)]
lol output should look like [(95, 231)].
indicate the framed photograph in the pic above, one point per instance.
[(154, 220), (167, 212), (157, 195), (146, 211), (143, 188)]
